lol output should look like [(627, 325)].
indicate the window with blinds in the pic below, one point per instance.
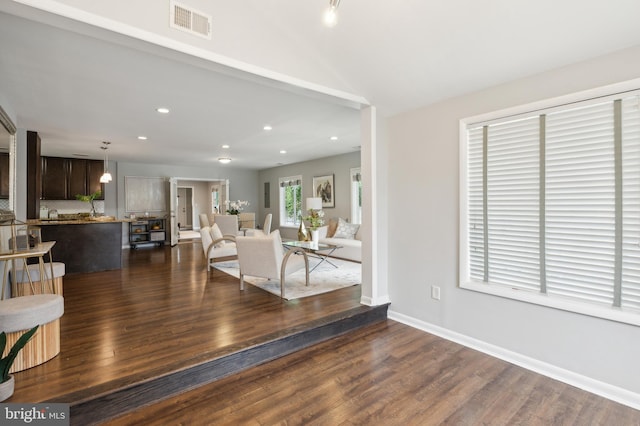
[(552, 206), (290, 200)]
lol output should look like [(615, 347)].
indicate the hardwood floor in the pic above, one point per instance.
[(164, 313), (385, 374), (161, 313)]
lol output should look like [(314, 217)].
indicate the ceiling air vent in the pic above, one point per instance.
[(187, 19)]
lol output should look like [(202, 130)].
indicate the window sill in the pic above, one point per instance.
[(556, 302), (288, 226)]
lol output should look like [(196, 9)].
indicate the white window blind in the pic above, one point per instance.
[(513, 188), (580, 203), (553, 203), (475, 203), (631, 203)]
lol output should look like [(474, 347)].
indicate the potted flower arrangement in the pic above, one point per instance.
[(235, 207), (316, 220), (89, 199), (6, 380)]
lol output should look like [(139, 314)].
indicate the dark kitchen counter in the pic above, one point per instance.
[(84, 245)]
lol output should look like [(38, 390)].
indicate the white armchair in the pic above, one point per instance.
[(228, 224), (214, 248), (204, 220), (264, 256), (267, 224), (266, 229)]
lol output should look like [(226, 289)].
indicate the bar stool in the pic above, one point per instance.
[(20, 314), (21, 286)]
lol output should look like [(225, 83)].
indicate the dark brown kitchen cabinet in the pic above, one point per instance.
[(54, 178), (64, 178), (4, 175), (95, 170), (77, 170)]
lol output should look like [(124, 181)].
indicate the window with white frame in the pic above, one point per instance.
[(551, 207), (356, 196), (290, 200)]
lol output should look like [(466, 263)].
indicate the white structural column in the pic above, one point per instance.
[(374, 283)]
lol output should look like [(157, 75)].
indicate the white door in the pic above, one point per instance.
[(181, 205), (173, 202)]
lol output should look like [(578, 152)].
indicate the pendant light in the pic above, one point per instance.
[(106, 177)]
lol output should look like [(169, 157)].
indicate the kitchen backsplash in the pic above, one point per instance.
[(72, 206)]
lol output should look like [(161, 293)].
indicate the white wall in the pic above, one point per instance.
[(339, 166), (423, 246), (242, 183)]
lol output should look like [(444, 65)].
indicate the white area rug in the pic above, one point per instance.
[(324, 279)]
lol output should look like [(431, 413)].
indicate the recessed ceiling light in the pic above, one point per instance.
[(267, 127), (282, 151), (334, 138), (142, 138), (224, 160), (225, 146), (163, 110), (80, 155)]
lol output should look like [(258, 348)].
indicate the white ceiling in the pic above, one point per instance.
[(77, 91)]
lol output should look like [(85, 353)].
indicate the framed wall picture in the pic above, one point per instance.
[(323, 187)]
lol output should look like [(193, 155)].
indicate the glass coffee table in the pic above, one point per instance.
[(316, 250)]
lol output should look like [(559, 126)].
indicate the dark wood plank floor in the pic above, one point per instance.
[(385, 374), (162, 312)]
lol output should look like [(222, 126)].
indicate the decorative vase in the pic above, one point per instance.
[(6, 389), (302, 232), (315, 235)]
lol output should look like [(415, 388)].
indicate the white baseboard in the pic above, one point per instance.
[(368, 301), (588, 384)]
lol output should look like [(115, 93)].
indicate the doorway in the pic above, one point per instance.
[(219, 195), (196, 198), (185, 208)]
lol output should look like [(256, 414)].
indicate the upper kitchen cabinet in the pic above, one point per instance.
[(54, 178), (5, 176), (77, 172), (95, 170), (64, 178)]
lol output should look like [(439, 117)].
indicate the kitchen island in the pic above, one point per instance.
[(84, 245)]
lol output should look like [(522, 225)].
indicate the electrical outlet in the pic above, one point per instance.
[(435, 292)]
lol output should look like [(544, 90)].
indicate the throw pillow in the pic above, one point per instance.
[(346, 230), (216, 233), (331, 228)]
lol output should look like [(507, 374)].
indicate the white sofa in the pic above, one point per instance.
[(351, 249)]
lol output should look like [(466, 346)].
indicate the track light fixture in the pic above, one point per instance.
[(106, 177), (331, 16)]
